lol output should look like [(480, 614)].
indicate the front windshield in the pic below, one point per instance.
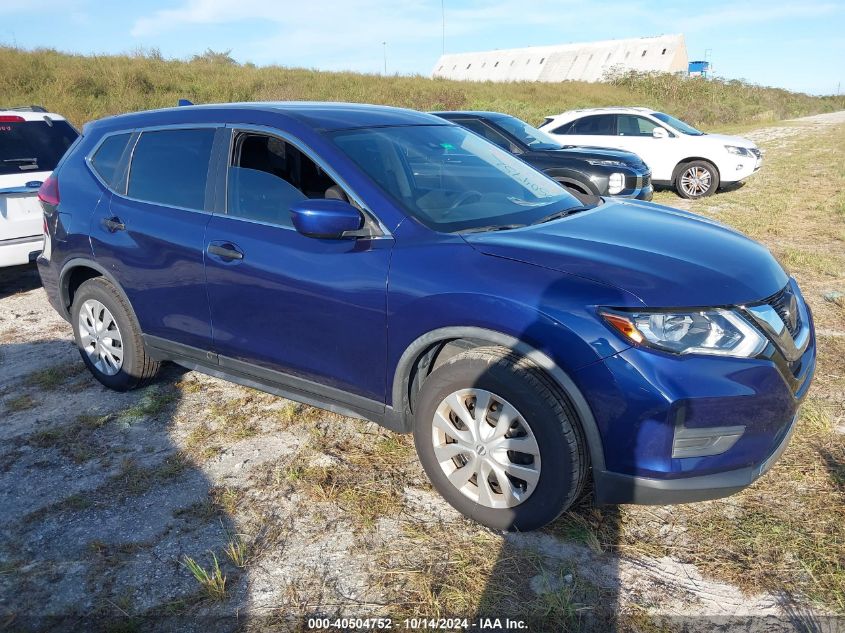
[(531, 136), (451, 179), (679, 125)]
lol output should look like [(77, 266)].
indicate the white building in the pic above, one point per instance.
[(567, 62)]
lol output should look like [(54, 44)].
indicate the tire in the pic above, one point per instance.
[(546, 425), (108, 336), (696, 179)]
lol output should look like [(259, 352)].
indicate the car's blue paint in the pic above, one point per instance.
[(342, 312), (666, 257), (313, 308), (325, 218)]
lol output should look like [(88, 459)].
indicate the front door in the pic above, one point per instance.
[(312, 309)]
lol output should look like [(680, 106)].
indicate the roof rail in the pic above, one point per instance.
[(29, 108)]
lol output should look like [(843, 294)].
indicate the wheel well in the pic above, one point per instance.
[(433, 357), (683, 163), (74, 278)]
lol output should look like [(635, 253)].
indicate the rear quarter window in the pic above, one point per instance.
[(170, 167), (29, 146), (108, 155)]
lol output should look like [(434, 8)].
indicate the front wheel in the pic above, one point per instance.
[(108, 336), (498, 440), (697, 180)]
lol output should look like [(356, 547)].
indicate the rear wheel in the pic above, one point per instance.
[(498, 440), (108, 337), (697, 180)]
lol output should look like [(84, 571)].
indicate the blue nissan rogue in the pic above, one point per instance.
[(390, 265)]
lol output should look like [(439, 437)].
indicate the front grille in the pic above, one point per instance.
[(785, 303)]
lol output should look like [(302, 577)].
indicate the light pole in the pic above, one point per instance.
[(443, 22), (384, 47)]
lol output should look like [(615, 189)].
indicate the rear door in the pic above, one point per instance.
[(597, 130), (150, 235), (29, 151)]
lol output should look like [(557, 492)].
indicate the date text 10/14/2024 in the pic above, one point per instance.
[(416, 624)]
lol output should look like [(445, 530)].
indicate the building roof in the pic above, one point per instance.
[(590, 61)]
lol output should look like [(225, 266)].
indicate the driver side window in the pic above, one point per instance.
[(485, 131), (631, 125), (268, 175)]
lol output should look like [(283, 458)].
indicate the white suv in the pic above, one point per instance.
[(692, 162), (32, 141)]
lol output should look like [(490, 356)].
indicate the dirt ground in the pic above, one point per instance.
[(105, 497)]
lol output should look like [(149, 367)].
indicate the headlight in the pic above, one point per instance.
[(738, 151), (718, 332), (606, 163), (615, 183)]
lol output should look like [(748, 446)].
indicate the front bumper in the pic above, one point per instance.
[(612, 488), (643, 401)]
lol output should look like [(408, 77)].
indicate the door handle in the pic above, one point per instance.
[(114, 224), (227, 251)]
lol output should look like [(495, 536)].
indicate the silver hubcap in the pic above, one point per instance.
[(486, 448), (100, 337), (695, 181)]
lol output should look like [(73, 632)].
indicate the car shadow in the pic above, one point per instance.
[(101, 510), (15, 279)]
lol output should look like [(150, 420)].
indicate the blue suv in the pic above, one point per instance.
[(387, 264)]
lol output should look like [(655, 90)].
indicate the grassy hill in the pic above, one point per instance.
[(88, 87)]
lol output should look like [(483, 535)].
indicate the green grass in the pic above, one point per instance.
[(212, 581), (90, 87)]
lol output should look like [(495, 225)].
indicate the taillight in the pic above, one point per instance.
[(48, 193), (10, 118)]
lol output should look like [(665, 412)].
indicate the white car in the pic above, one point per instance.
[(32, 141), (694, 163)]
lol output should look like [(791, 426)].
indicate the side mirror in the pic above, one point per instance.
[(327, 219), (659, 132)]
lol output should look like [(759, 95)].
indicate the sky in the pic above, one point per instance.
[(795, 45)]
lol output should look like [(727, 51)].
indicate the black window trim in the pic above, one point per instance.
[(371, 220), (126, 162)]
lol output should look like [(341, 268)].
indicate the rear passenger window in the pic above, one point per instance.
[(170, 167), (107, 157), (596, 125)]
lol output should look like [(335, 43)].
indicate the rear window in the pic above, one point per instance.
[(171, 167), (107, 157), (33, 145)]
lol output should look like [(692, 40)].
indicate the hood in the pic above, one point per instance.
[(725, 139), (597, 153), (666, 257)]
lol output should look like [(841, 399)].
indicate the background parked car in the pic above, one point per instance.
[(582, 170), (694, 163), (32, 141)]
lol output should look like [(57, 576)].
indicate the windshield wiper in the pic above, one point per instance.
[(560, 214), (492, 227), (20, 160)]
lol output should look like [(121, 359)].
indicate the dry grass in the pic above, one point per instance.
[(787, 532), (85, 88)]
